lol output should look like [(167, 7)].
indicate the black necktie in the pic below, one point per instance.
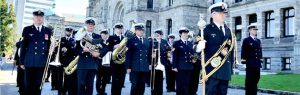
[(185, 42), (141, 40), (38, 29), (221, 28)]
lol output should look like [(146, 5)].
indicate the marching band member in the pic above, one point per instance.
[(67, 54), (20, 71), (161, 46), (217, 34), (182, 62), (88, 61), (170, 74), (118, 70), (34, 52), (137, 60), (104, 69)]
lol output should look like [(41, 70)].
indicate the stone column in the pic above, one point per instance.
[(245, 22), (261, 28), (295, 64), (277, 21)]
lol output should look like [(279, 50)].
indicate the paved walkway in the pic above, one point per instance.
[(8, 85)]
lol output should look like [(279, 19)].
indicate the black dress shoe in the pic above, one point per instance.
[(147, 85), (169, 90), (102, 94), (53, 88)]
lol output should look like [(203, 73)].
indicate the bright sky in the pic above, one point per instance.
[(77, 7)]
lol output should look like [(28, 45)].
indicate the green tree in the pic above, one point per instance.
[(7, 27)]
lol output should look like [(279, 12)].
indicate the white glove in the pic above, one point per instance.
[(200, 46)]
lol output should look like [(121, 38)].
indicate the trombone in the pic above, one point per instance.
[(54, 43), (152, 71), (157, 66)]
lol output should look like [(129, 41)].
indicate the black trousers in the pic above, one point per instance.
[(157, 83), (58, 72), (183, 82), (216, 86), (20, 80), (138, 82), (170, 77), (195, 79), (56, 77), (118, 78), (252, 79), (69, 84), (85, 81), (103, 77), (49, 72), (33, 80)]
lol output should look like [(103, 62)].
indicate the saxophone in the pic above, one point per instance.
[(73, 65)]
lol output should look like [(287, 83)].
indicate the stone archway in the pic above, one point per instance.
[(118, 12)]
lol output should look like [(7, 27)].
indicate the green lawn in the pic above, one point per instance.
[(281, 81)]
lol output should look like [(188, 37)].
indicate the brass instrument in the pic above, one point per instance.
[(119, 54), (215, 61), (72, 66), (159, 66), (152, 71), (92, 44), (56, 62), (56, 35)]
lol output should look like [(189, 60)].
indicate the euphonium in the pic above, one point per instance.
[(119, 54)]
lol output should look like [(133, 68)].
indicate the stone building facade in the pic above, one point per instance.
[(276, 19)]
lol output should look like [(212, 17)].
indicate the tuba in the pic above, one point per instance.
[(119, 54)]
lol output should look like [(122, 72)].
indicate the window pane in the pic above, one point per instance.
[(148, 28), (291, 12), (238, 21), (238, 34), (271, 15), (150, 4), (291, 26), (286, 13), (216, 1), (272, 28), (252, 18)]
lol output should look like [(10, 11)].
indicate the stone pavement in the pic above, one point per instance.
[(8, 85)]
